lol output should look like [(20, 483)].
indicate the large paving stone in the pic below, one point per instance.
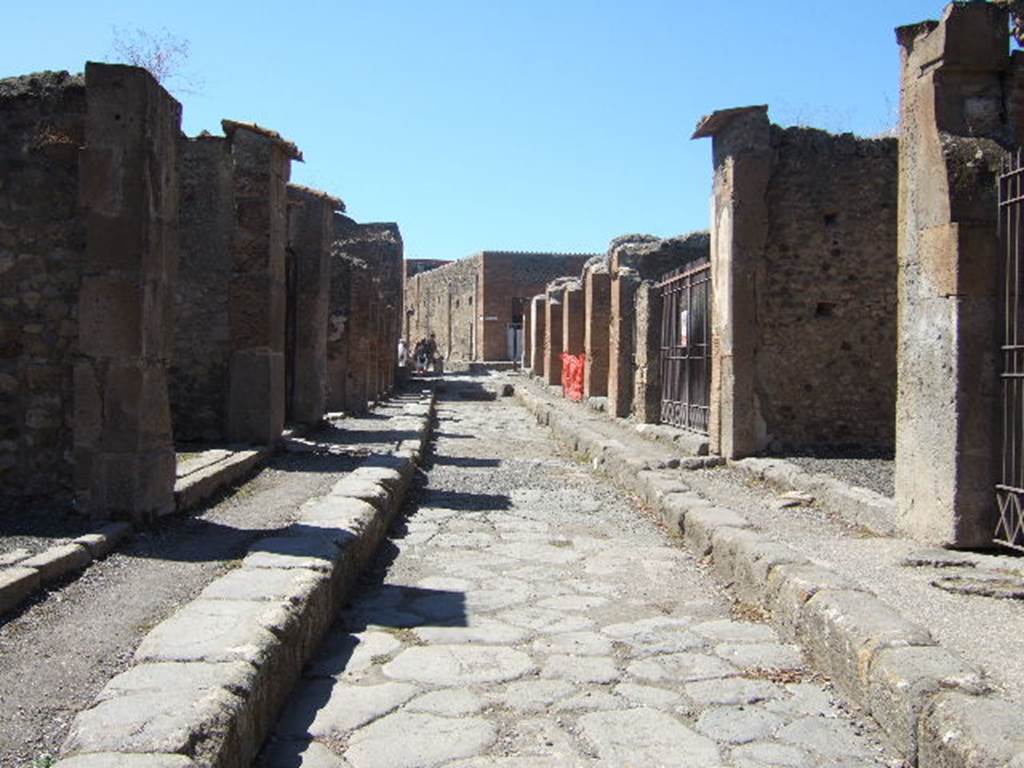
[(738, 724), (642, 737), (577, 643), (300, 754), (581, 669), (681, 668), (449, 702), (412, 740), (768, 754), (734, 690), (477, 631), (325, 709), (170, 708), (726, 631), (534, 695), (112, 760), (347, 656), (455, 665), (761, 655), (647, 695), (830, 737), (545, 620)]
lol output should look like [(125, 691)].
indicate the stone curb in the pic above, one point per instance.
[(193, 489), (21, 580), (936, 709), (207, 683), (859, 506)]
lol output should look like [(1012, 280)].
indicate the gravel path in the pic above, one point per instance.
[(526, 613), (63, 647)]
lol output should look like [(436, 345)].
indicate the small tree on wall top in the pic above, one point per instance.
[(163, 54)]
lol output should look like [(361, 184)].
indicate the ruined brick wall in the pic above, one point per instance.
[(202, 350), (826, 345), (42, 241), (509, 281), (444, 301)]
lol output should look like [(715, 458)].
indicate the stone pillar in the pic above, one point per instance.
[(553, 339), (256, 398), (124, 452), (572, 318), (310, 233), (338, 309), (525, 360), (952, 133), (647, 384), (620, 342), (597, 301), (739, 227), (538, 334)]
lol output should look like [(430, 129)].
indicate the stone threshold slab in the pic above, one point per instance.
[(207, 684), (201, 478), (934, 707)]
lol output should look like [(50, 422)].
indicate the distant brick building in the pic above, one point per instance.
[(475, 306)]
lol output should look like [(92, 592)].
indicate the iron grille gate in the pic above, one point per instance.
[(1010, 490), (685, 346)]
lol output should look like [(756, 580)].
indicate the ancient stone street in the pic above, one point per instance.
[(525, 612)]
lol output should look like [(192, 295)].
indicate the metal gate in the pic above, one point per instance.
[(686, 346), (1010, 490)]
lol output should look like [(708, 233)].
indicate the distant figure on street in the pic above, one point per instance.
[(419, 355), (430, 350), (403, 353)]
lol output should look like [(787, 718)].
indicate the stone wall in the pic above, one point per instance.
[(339, 307), (310, 236), (444, 302), (597, 312), (471, 304), (365, 351), (202, 350), (803, 278), (42, 242)]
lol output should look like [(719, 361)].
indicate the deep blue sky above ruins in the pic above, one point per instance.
[(518, 125)]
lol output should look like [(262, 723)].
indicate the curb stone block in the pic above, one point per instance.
[(172, 708), (57, 562), (701, 525), (657, 485), (295, 586), (961, 731), (218, 631), (16, 584), (791, 585), (746, 559), (301, 551), (114, 760), (363, 488), (102, 542), (901, 681), (675, 506), (843, 630)]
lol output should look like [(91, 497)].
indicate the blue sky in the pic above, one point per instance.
[(516, 125)]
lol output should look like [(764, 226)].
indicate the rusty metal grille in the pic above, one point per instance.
[(1010, 490), (686, 347)]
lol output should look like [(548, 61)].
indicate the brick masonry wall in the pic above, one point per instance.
[(202, 350), (826, 345), (510, 280), (42, 241)]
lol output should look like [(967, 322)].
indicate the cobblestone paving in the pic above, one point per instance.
[(527, 613)]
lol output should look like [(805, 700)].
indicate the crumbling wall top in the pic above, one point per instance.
[(335, 202), (231, 126), (721, 119), (38, 84)]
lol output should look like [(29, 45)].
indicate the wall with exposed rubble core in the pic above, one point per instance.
[(827, 291), (42, 241)]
